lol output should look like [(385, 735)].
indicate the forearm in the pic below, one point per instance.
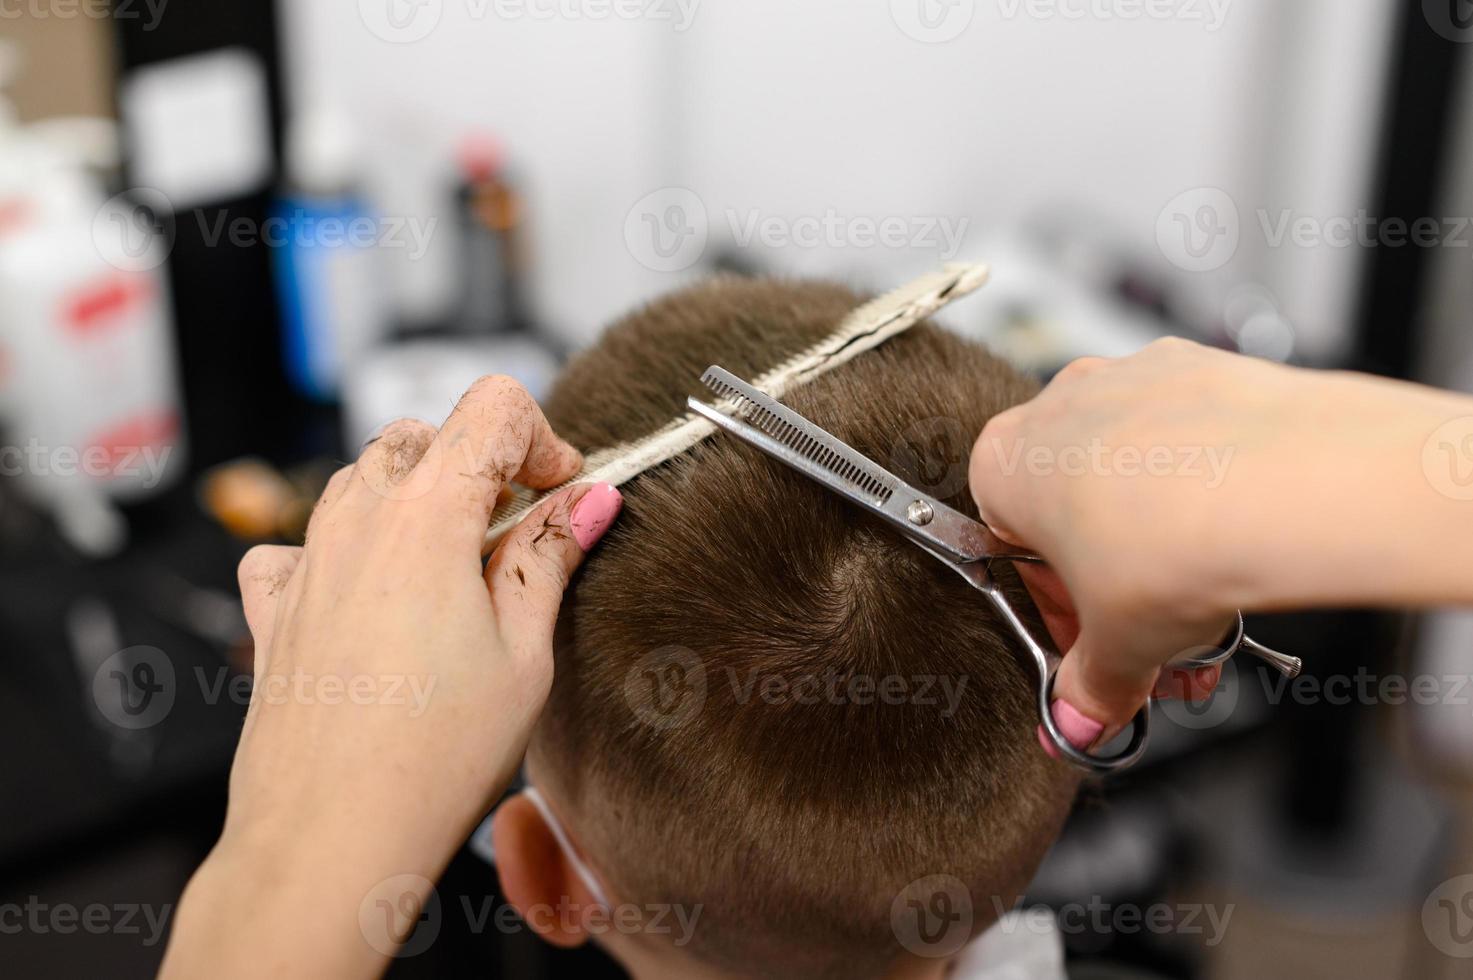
[(329, 903), (1379, 502)]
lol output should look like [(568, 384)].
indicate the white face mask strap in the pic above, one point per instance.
[(585, 873)]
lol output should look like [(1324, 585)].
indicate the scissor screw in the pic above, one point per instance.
[(919, 513)]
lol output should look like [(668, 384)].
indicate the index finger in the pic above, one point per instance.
[(496, 433), (995, 456)]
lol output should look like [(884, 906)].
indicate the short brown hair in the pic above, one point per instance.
[(794, 822)]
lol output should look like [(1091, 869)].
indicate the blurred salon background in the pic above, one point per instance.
[(237, 236)]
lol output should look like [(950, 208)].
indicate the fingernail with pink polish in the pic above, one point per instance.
[(593, 514), (1079, 730)]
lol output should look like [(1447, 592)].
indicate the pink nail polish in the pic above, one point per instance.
[(1079, 730), (593, 514)]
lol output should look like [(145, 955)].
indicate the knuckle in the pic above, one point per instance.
[(253, 564), (1169, 345), (264, 566), (499, 388), (335, 486), (1078, 368), (407, 429)]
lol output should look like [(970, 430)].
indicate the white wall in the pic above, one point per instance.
[(784, 109)]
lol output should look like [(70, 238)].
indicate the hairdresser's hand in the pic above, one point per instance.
[(1170, 488), (395, 685)]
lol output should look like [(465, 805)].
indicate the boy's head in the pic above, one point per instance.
[(767, 704)]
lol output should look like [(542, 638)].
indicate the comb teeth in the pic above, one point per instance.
[(815, 450)]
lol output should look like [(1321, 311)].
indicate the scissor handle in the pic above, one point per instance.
[(1140, 729), (1046, 660), (1236, 640)]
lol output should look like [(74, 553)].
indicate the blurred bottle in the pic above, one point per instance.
[(490, 213), (325, 243), (91, 402)]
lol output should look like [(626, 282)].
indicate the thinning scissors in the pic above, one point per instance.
[(966, 546)]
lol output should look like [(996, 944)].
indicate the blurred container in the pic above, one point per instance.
[(91, 399), (491, 215), (327, 266)]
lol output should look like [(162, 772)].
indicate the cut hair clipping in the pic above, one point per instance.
[(863, 329)]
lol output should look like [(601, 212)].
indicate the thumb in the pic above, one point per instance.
[(1099, 687), (263, 574), (530, 569)]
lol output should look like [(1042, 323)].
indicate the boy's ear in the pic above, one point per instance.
[(536, 878)]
